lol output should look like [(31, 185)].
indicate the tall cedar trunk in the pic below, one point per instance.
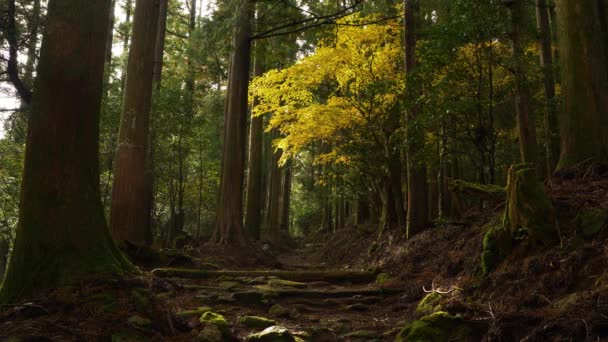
[(526, 125), (160, 43), (583, 45), (274, 206), (128, 212), (229, 229), (62, 234), (286, 199), (253, 219), (33, 27), (159, 50), (417, 188), (546, 63)]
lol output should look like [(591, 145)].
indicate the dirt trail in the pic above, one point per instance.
[(324, 309)]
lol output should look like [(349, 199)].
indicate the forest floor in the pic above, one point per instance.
[(354, 285)]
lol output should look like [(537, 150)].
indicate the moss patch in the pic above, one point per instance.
[(429, 304), (437, 327), (211, 317), (497, 244), (591, 222), (257, 322)]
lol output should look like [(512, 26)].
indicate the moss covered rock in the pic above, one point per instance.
[(191, 313), (591, 222), (272, 334), (437, 327), (211, 317), (429, 304), (211, 333), (257, 322), (278, 310)]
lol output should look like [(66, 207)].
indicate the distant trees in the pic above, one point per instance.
[(62, 231)]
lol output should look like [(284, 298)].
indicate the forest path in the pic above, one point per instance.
[(310, 301)]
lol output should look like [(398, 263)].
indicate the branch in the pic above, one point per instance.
[(317, 21), (10, 32)]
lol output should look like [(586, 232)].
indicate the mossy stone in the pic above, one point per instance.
[(272, 334), (429, 304), (278, 310), (194, 312), (437, 327), (211, 333), (257, 322), (382, 278), (591, 222), (211, 317)]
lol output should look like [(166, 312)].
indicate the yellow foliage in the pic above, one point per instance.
[(346, 87)]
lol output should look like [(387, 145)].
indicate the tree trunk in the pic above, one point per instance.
[(526, 125), (128, 213), (417, 192), (229, 229), (583, 47), (253, 218), (62, 233), (274, 207), (286, 199), (160, 43), (546, 63)]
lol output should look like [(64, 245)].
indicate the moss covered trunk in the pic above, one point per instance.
[(229, 228), (583, 46), (62, 233), (129, 208)]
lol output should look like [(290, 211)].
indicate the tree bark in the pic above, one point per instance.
[(417, 188), (160, 43), (253, 211), (229, 228), (546, 62), (526, 125), (286, 199), (274, 208), (62, 233), (128, 213), (583, 45)]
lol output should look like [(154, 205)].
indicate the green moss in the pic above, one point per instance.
[(486, 189), (497, 244), (382, 278), (256, 322), (437, 327), (140, 322), (286, 283), (278, 310), (529, 210), (191, 313), (429, 304), (211, 317), (272, 334), (591, 222)]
